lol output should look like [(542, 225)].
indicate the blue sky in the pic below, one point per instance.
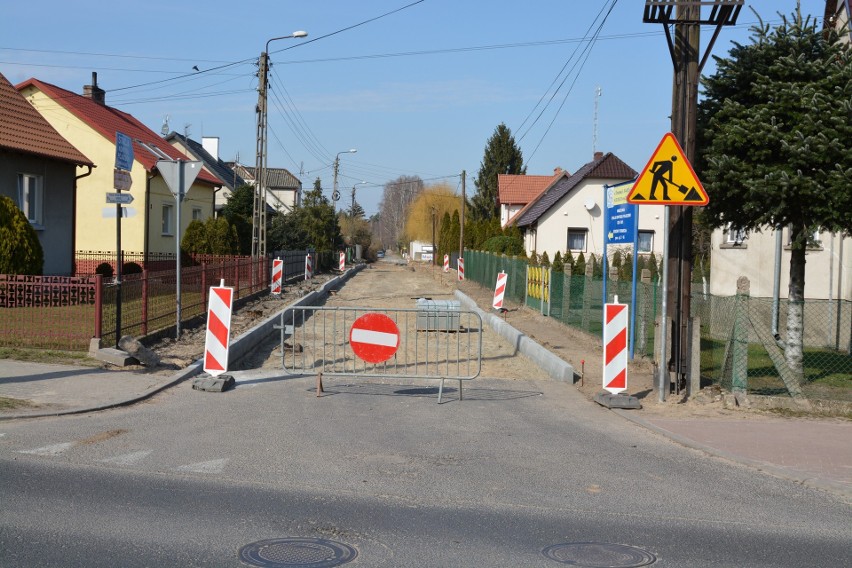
[(416, 92)]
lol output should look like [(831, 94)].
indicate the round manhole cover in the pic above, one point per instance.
[(300, 552), (599, 555)]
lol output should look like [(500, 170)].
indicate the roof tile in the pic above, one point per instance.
[(23, 129)]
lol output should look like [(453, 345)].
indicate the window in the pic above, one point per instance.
[(734, 236), (646, 241), (196, 214), (577, 239), (814, 242), (31, 197), (167, 219)]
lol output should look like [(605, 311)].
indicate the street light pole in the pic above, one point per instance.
[(336, 194), (352, 211), (258, 217)]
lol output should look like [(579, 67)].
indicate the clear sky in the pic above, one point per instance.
[(417, 87)]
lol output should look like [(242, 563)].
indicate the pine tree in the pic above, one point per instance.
[(20, 249), (558, 264), (580, 265), (502, 156), (775, 133)]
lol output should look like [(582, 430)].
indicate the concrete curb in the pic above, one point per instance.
[(557, 368), (239, 347)]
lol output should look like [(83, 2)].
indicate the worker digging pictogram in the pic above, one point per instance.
[(668, 178)]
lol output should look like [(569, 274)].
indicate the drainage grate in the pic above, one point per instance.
[(297, 552), (599, 555)]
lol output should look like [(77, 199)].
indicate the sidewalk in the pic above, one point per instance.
[(813, 452)]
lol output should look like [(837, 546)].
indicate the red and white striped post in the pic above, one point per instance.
[(499, 291), (446, 263), (309, 267), (342, 261), (218, 335), (277, 275), (461, 268), (615, 347)]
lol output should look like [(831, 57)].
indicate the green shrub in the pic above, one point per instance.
[(20, 249)]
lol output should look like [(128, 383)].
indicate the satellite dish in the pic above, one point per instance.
[(589, 204)]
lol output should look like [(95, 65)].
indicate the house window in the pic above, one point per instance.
[(814, 242), (577, 240), (31, 197), (168, 226), (196, 214), (734, 236), (646, 241)]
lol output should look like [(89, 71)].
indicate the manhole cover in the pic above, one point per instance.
[(301, 552), (599, 555)]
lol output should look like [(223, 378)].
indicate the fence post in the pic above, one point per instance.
[(739, 371), (587, 296), (694, 381), (236, 279), (99, 305), (642, 314), (145, 301), (204, 285)]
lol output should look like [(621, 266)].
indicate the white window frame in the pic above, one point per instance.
[(735, 237), (577, 231), (650, 248), (31, 198), (814, 243), (197, 213), (168, 210)]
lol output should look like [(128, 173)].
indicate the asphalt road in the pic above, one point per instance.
[(518, 466)]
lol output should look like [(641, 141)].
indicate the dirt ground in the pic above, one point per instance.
[(389, 283)]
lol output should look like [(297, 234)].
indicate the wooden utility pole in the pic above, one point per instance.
[(685, 53), (461, 217)]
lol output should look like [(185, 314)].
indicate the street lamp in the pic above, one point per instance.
[(336, 194), (258, 218), (352, 211)]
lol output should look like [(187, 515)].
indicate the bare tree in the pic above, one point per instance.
[(398, 196)]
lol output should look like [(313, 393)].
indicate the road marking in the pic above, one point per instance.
[(212, 466), (127, 459), (53, 450)]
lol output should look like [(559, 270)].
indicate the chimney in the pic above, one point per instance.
[(557, 170), (94, 92), (598, 155), (211, 145)]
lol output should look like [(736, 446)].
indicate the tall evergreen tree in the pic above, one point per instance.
[(775, 129), (502, 156)]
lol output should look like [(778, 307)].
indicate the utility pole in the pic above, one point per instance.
[(684, 51), (258, 216), (461, 219)]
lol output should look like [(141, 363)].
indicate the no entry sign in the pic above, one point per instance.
[(374, 338)]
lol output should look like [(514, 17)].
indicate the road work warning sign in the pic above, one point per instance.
[(668, 178)]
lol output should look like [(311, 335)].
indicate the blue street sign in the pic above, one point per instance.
[(123, 152), (620, 215)]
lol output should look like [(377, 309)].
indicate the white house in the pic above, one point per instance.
[(569, 213)]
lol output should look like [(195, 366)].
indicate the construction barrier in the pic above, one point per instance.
[(499, 291), (615, 347), (277, 275), (218, 329)]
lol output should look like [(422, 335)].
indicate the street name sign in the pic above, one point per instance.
[(123, 198)]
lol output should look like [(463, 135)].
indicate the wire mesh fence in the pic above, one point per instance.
[(744, 341)]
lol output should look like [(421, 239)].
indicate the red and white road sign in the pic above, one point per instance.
[(218, 330), (499, 291), (277, 275), (374, 337), (461, 268), (309, 267), (342, 261), (615, 347), (446, 263)]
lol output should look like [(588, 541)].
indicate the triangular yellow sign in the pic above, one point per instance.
[(668, 178)]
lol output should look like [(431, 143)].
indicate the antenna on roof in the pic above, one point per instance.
[(165, 129), (595, 133)]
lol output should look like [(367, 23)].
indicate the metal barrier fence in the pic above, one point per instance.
[(739, 350), (434, 341)]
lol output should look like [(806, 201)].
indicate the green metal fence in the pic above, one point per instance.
[(739, 348)]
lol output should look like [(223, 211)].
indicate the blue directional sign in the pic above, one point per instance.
[(123, 152), (620, 215)]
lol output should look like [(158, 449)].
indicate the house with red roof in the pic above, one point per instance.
[(149, 223), (568, 214), (40, 172), (515, 191)]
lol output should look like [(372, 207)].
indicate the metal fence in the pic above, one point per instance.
[(55, 312), (437, 340), (739, 350)]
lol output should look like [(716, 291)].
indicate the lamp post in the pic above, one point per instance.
[(336, 194), (258, 218), (352, 211)]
